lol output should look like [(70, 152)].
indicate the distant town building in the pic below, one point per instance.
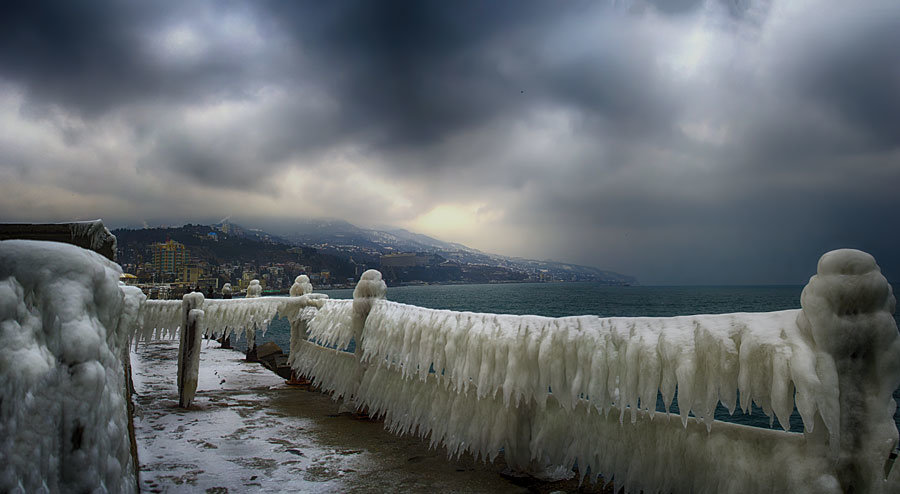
[(191, 273), (169, 258)]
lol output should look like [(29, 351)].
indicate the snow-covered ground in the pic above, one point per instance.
[(230, 438), (248, 431)]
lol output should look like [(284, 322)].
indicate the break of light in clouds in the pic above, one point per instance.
[(722, 141)]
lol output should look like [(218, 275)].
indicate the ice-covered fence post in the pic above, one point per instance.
[(369, 289), (189, 348), (847, 312), (225, 338), (253, 291), (301, 287)]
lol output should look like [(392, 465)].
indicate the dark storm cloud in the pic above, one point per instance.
[(72, 52), (679, 141), (418, 69), (93, 56), (411, 75), (404, 77), (856, 73), (676, 6)]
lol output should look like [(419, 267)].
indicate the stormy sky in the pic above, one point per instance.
[(720, 141)]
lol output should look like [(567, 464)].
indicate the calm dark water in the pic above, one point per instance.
[(569, 299)]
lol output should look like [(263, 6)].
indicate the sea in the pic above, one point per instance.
[(572, 298)]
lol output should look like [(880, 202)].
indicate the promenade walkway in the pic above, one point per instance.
[(247, 431)]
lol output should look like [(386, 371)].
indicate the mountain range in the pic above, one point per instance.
[(367, 245), (345, 249)]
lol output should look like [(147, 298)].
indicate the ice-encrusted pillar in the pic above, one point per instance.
[(369, 289), (253, 291), (189, 348), (848, 311), (225, 338), (301, 287)]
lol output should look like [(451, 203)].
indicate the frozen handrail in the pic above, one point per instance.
[(553, 392), (543, 388), (161, 319)]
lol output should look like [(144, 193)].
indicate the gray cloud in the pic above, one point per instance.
[(691, 141)]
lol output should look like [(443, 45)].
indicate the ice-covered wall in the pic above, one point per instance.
[(64, 324), (560, 391)]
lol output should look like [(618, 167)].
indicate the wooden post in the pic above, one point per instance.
[(189, 348), (225, 339), (253, 291)]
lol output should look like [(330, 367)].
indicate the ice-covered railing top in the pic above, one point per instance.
[(479, 382), (609, 362)]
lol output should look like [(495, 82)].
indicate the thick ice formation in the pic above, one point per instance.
[(300, 323), (64, 320), (610, 362), (162, 318), (331, 325), (482, 382), (556, 391), (334, 370)]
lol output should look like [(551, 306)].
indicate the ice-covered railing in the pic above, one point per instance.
[(162, 319), (194, 316), (553, 392)]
